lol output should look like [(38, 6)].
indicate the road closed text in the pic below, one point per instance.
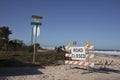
[(78, 53)]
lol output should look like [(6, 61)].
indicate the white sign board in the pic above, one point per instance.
[(36, 32), (78, 53)]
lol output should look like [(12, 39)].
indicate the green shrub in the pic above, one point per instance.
[(42, 58)]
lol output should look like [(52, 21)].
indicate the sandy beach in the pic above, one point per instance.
[(106, 68)]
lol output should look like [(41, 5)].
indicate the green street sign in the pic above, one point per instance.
[(36, 20), (36, 23)]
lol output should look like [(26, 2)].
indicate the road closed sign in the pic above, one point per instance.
[(78, 53)]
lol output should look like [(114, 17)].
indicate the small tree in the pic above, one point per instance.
[(4, 37), (15, 44), (4, 33), (60, 48)]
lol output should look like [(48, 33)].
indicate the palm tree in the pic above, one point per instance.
[(5, 32), (4, 36)]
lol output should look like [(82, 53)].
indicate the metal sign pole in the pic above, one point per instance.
[(34, 52), (35, 40), (36, 23), (32, 37)]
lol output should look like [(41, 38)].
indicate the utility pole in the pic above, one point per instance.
[(36, 31)]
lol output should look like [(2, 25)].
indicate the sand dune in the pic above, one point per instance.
[(106, 68)]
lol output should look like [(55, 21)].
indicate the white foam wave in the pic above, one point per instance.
[(106, 52)]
